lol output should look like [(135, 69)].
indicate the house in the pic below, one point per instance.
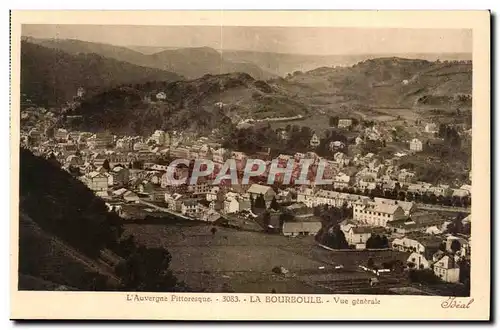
[(173, 201), (303, 226), (213, 193), (96, 181), (61, 134), (423, 244), (416, 145), (190, 207), (447, 270), (431, 128), (256, 190), (357, 236), (161, 96), (367, 182), (466, 187), (345, 122), (419, 260), (154, 176), (314, 142), (202, 187), (440, 190), (334, 145), (341, 159), (408, 207), (306, 196), (420, 188), (433, 230), (376, 214), (460, 192), (341, 180), (406, 176), (231, 204)]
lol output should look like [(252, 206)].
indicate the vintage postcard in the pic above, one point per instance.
[(250, 165)]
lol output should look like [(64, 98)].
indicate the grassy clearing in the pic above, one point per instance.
[(239, 261)]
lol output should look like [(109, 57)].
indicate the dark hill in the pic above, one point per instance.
[(63, 227), (189, 62), (69, 241), (210, 102), (50, 77)]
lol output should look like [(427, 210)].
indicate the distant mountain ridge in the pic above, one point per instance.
[(189, 62), (197, 61), (50, 77), (282, 63)]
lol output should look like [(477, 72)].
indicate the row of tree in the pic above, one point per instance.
[(402, 195)]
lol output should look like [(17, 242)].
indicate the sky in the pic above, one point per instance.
[(296, 40)]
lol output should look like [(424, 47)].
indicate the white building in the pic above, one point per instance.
[(96, 181), (161, 96), (345, 123), (377, 214), (61, 134), (416, 145), (314, 142), (160, 137), (431, 128), (447, 270)]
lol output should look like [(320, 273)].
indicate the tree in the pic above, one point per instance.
[(274, 204), (260, 202), (332, 237), (384, 242), (105, 165), (456, 226), (147, 269), (334, 121), (397, 266), (455, 246)]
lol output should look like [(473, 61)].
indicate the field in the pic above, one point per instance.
[(239, 261)]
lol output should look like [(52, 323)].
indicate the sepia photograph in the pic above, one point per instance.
[(290, 164)]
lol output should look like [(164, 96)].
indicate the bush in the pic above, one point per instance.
[(276, 270)]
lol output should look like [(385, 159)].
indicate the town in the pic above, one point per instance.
[(372, 206)]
